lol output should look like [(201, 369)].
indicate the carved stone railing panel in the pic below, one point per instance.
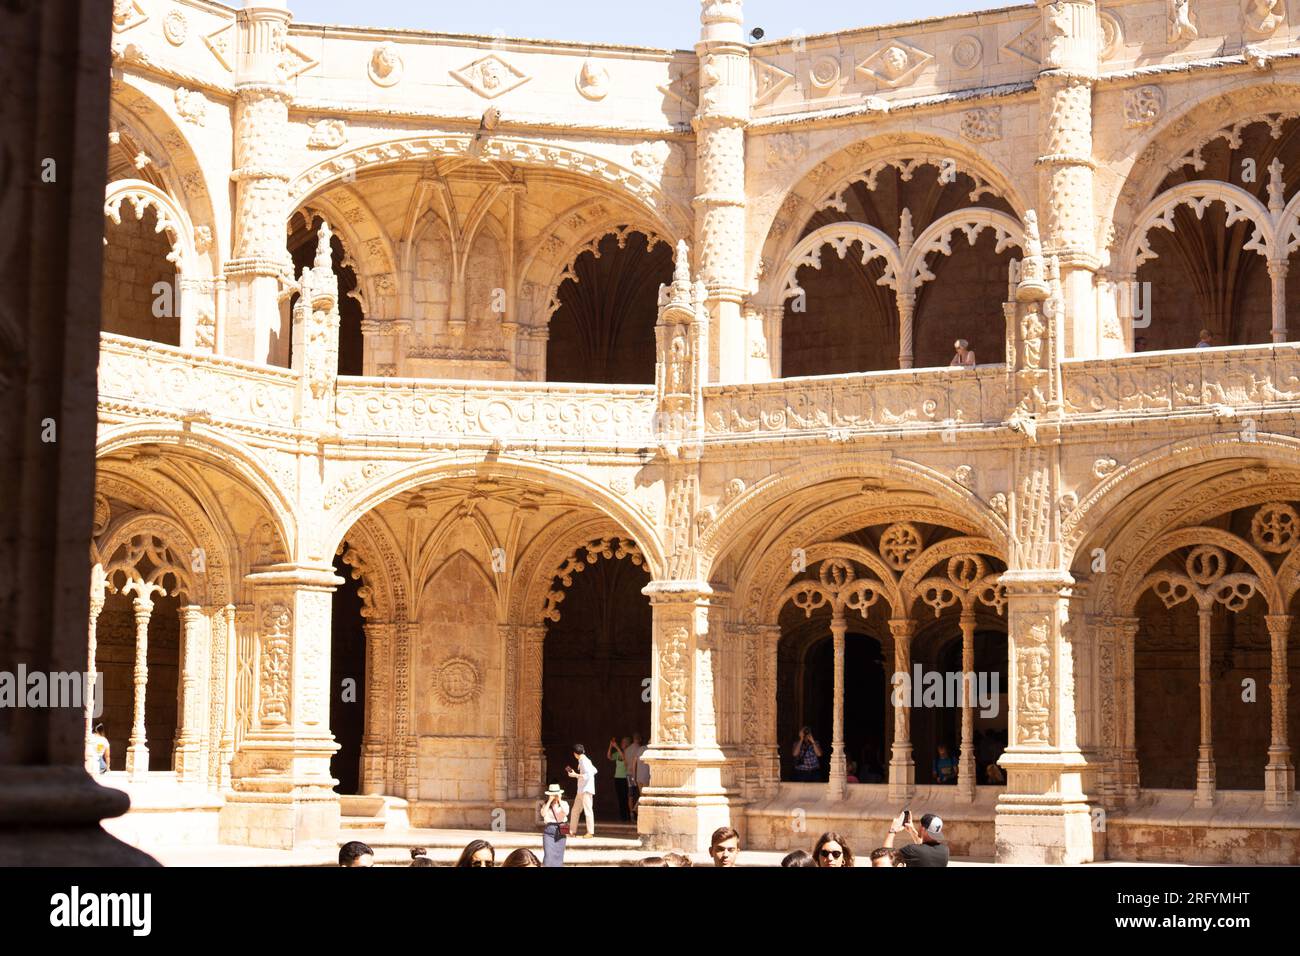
[(1186, 379), (162, 380), (533, 412), (926, 398)]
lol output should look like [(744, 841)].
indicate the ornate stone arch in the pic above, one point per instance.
[(173, 158), (377, 562), (823, 180), (775, 597), (839, 236), (366, 250), (212, 447), (623, 512), (622, 180), (1199, 195), (167, 545), (172, 220), (560, 269), (1140, 578), (801, 479), (536, 567), (936, 238), (1239, 101)]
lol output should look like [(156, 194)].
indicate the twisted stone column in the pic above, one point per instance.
[(1279, 774), (839, 765), (902, 772), (137, 751), (1205, 752)]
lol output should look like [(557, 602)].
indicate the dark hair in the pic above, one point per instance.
[(472, 847), (579, 749), (677, 858), (420, 857), (723, 833), (880, 851), (830, 836), (653, 861), (349, 853), (798, 858), (521, 857)]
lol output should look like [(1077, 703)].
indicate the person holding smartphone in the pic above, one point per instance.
[(807, 755), (930, 850)]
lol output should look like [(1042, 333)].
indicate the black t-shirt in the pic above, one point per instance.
[(925, 854)]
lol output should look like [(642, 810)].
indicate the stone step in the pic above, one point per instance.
[(362, 823)]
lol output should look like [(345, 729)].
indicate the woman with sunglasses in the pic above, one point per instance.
[(477, 853), (832, 850)]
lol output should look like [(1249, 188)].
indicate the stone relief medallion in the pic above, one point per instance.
[(1112, 34), (1274, 528), (385, 66), (593, 80), (968, 52), (983, 125), (175, 28), (1143, 106), (457, 681), (900, 544), (490, 76), (191, 105), (1263, 17), (825, 72), (895, 64)]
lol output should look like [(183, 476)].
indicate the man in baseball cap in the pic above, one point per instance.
[(930, 850)]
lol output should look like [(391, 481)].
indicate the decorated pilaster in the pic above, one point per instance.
[(1043, 816), (374, 740), (189, 763), (685, 801), (259, 275), (720, 183), (283, 794), (1070, 33), (1279, 774), (316, 337)]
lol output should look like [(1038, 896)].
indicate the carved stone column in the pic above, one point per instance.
[(97, 584), (374, 740), (966, 760), (906, 311), (505, 715), (1277, 273), (771, 772), (686, 800), (260, 269), (1043, 816), (837, 786), (1205, 751), (188, 760), (137, 751), (530, 709), (239, 646), (1118, 740), (1065, 85), (1279, 774), (720, 181), (902, 772), (283, 793)]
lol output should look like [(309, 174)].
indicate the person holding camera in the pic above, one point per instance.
[(618, 753), (807, 755), (555, 825), (930, 850)]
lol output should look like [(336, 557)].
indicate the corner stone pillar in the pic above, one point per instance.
[(1043, 816), (374, 740), (283, 793), (256, 328), (1065, 86), (720, 178), (685, 801)]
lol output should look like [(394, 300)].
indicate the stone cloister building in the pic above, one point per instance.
[(461, 397)]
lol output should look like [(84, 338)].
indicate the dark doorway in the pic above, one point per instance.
[(302, 249), (347, 680), (596, 670), (865, 701)]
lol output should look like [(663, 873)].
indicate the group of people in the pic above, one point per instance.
[(809, 761), (830, 850)]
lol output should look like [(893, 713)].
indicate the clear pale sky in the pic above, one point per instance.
[(673, 24)]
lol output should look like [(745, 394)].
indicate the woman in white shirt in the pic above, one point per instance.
[(555, 814)]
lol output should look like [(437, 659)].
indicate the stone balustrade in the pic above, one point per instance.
[(1186, 380)]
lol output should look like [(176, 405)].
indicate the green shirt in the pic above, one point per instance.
[(620, 768)]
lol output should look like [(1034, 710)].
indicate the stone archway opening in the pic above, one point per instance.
[(596, 667), (348, 684), (603, 329), (141, 290)]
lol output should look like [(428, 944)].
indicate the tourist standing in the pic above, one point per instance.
[(584, 800), (100, 748), (618, 753), (945, 766), (632, 754), (641, 774), (555, 826)]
